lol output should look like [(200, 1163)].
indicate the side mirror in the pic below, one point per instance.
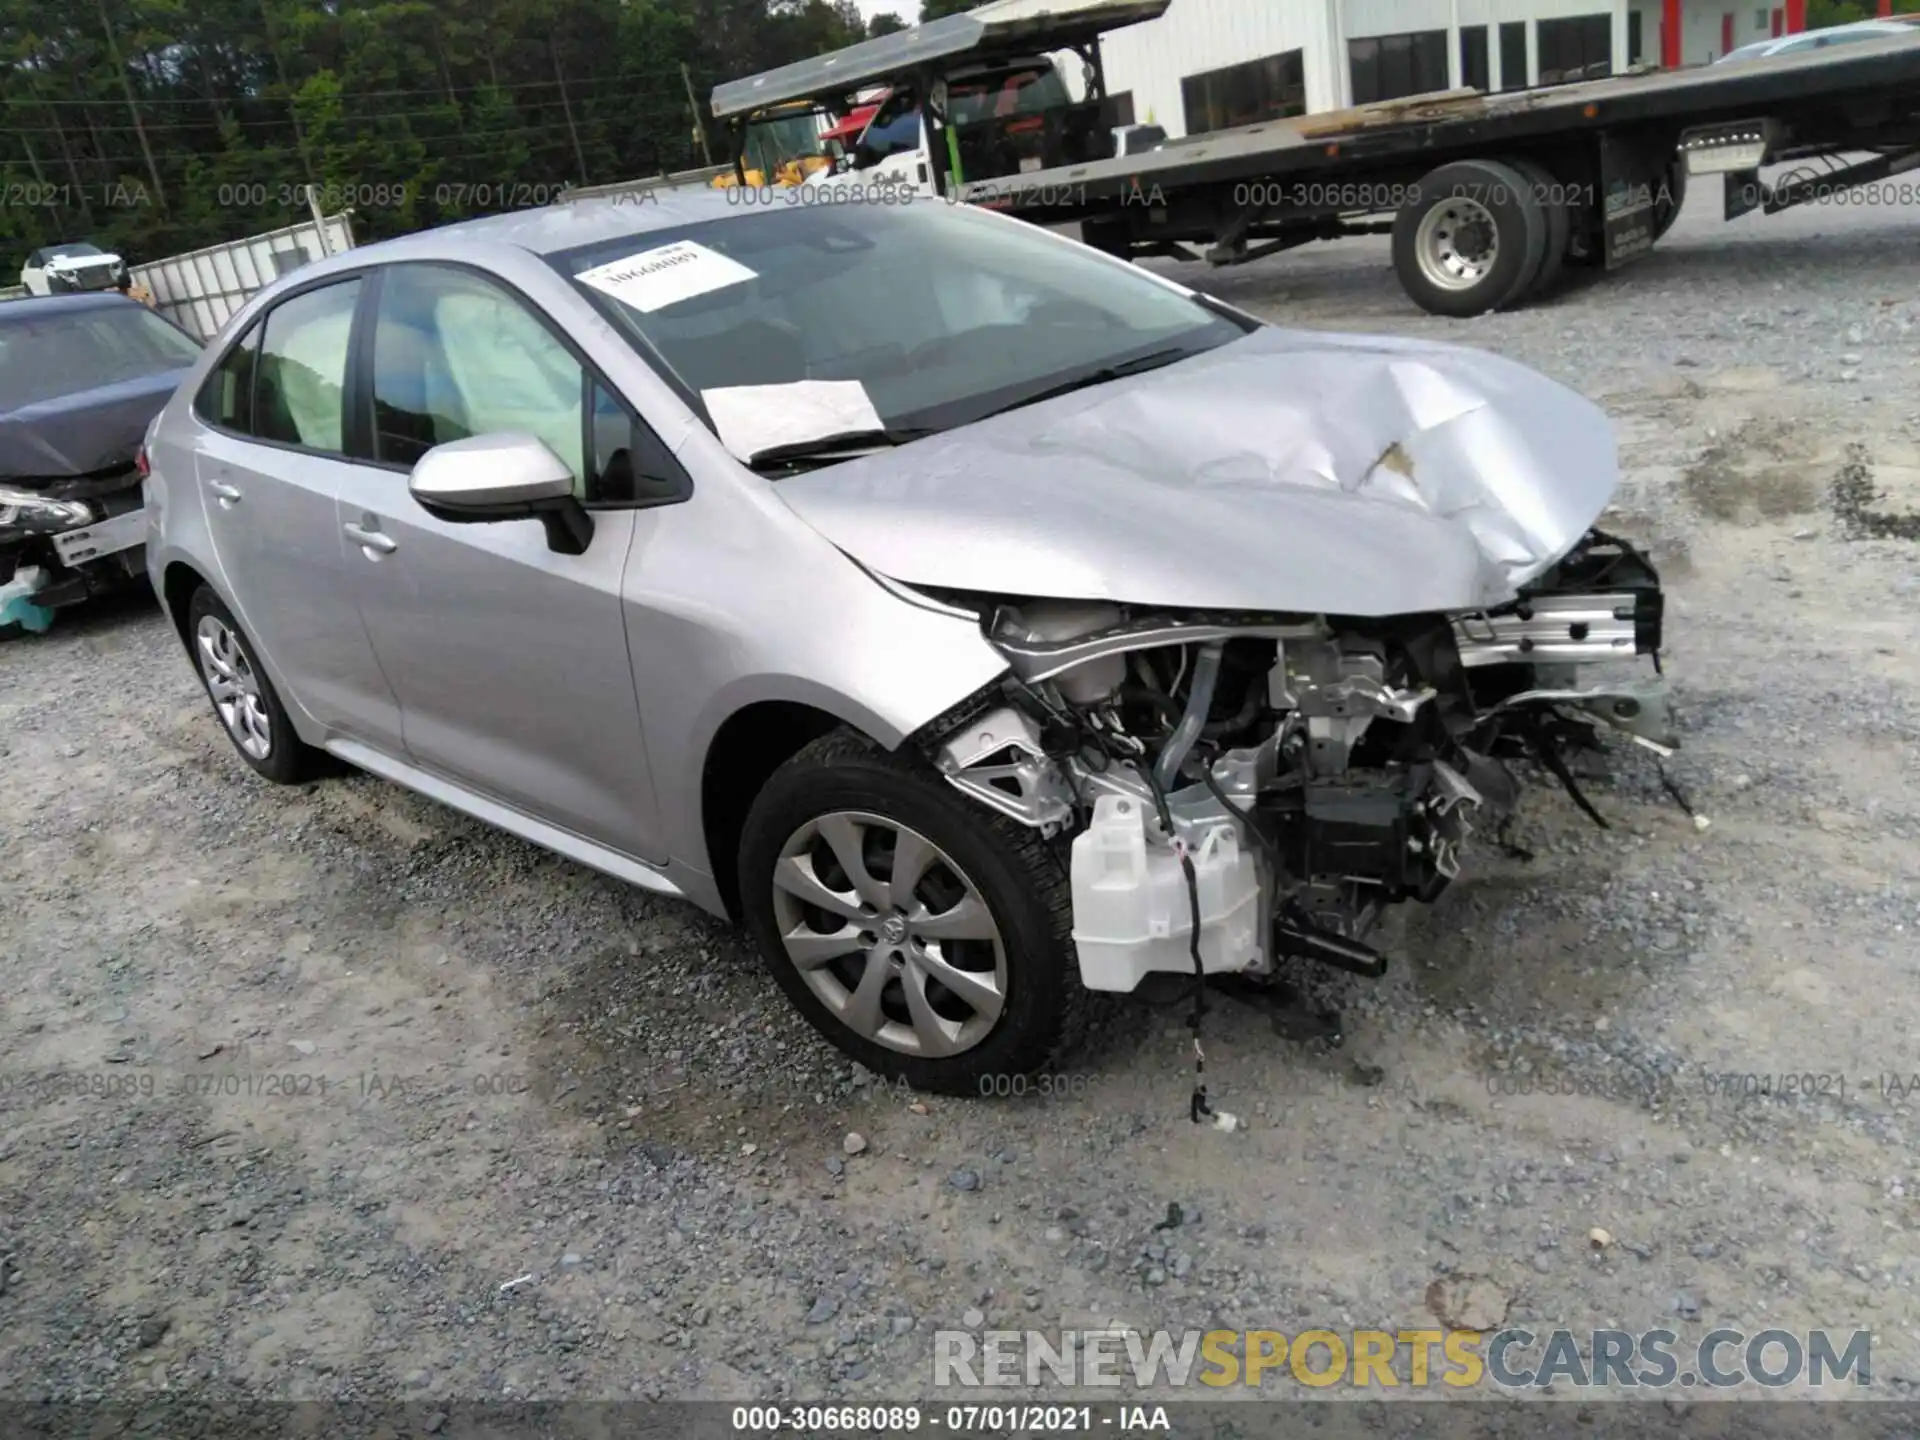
[(507, 475)]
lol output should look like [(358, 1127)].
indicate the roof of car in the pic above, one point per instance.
[(1878, 26), (1805, 39), (27, 307), (568, 224)]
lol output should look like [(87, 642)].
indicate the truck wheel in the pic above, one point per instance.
[(1108, 236), (1559, 227), (958, 977), (1669, 199), (1470, 240)]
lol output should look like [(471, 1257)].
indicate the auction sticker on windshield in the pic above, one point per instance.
[(655, 279)]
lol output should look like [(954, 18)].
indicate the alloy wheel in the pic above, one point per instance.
[(893, 937), (234, 686)]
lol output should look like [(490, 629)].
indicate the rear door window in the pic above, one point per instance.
[(299, 395), (226, 399)]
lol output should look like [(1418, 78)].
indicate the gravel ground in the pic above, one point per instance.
[(547, 1137)]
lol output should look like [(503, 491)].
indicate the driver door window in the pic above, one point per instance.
[(455, 355)]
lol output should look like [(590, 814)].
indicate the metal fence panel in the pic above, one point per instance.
[(202, 289)]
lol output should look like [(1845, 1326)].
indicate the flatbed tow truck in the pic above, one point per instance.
[(1489, 198)]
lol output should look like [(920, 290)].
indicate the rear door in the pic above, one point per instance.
[(270, 459), (509, 660)]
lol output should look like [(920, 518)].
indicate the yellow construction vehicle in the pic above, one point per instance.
[(786, 144)]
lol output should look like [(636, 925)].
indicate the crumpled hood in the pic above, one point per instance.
[(82, 433), (1290, 470)]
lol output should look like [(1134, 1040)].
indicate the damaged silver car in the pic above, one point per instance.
[(979, 620)]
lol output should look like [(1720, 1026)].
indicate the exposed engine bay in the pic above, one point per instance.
[(1234, 789)]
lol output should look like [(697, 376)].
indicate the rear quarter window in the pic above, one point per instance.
[(299, 388), (226, 398)]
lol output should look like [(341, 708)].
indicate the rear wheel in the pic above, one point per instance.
[(1555, 205), (923, 934), (244, 699), (1472, 238), (1671, 195)]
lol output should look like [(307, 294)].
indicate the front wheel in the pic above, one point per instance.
[(923, 934)]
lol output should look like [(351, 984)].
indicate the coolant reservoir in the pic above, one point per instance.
[(1131, 913)]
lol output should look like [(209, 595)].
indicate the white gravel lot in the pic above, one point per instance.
[(506, 1066)]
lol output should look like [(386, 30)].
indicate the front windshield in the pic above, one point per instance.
[(73, 250), (773, 142), (46, 355), (944, 314)]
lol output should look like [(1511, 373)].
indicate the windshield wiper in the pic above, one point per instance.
[(826, 451), (1086, 380)]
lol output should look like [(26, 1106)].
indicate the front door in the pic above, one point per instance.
[(269, 464), (510, 660)]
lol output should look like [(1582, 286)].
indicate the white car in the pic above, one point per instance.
[(70, 266), (1817, 40)]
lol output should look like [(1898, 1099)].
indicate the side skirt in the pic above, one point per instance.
[(550, 837)]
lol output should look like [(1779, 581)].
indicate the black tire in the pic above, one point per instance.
[(287, 759), (1559, 228), (1668, 202), (1109, 236), (1023, 883), (1519, 230)]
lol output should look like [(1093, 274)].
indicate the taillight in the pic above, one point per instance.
[(141, 463)]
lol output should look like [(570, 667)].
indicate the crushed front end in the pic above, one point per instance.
[(1237, 788), (81, 535)]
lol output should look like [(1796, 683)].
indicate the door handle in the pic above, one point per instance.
[(227, 495), (371, 541)]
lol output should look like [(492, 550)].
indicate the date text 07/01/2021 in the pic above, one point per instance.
[(261, 1084), (878, 1420)]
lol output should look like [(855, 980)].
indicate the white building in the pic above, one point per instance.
[(1208, 64)]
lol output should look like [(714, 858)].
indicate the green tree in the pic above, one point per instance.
[(885, 23), (939, 9), (157, 126), (1822, 13)]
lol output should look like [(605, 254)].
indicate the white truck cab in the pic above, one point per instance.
[(895, 151)]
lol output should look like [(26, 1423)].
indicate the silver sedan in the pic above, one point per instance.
[(978, 619)]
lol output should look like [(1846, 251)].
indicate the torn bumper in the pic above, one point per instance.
[(1600, 603), (84, 545), (1342, 773)]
